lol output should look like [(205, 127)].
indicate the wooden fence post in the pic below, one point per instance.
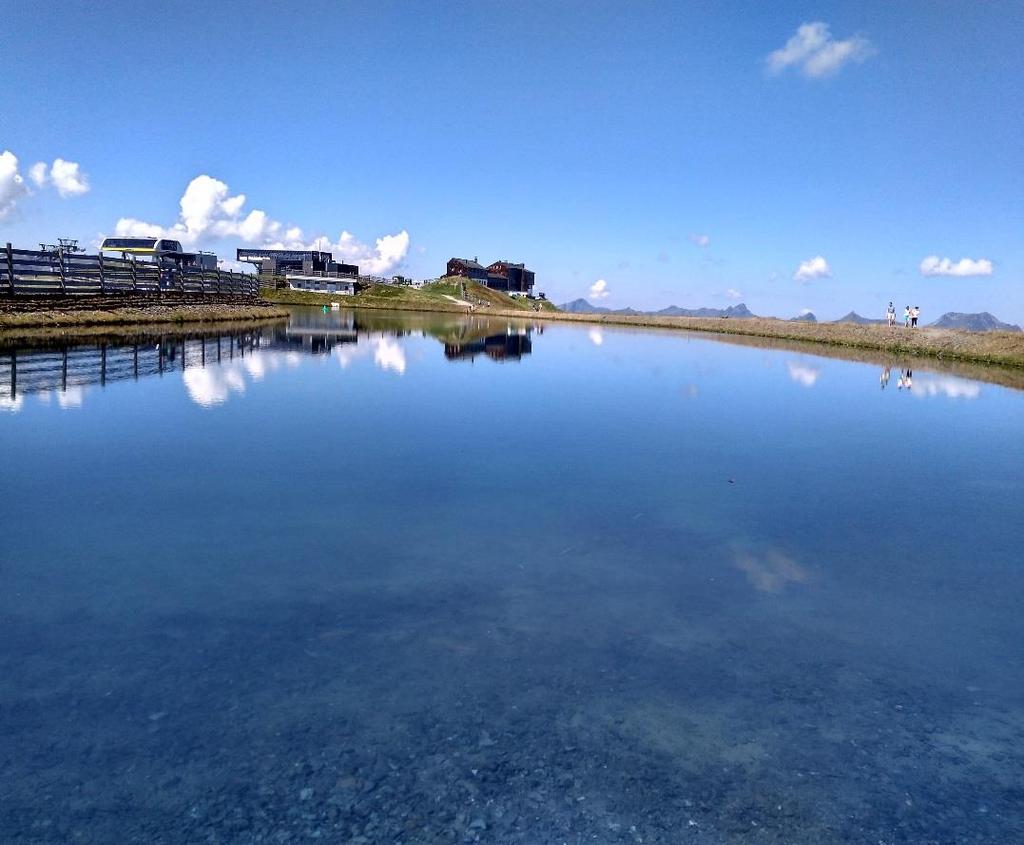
[(135, 277), (10, 268), (60, 263), (103, 284)]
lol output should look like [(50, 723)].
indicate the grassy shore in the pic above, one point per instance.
[(71, 312), (1003, 348), (447, 295)]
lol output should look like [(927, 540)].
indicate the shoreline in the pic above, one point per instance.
[(45, 315), (1003, 349), (1000, 348)]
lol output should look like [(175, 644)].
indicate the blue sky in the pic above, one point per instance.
[(594, 141)]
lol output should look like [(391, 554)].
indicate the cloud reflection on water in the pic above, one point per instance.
[(770, 571), (802, 373), (946, 386), (213, 384)]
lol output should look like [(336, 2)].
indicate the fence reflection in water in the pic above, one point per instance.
[(28, 370)]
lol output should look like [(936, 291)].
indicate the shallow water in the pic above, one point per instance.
[(405, 578)]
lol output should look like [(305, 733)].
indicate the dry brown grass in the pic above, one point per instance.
[(57, 318), (1003, 348)]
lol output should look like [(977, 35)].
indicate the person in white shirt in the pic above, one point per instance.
[(890, 315)]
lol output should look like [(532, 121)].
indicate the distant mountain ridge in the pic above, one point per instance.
[(583, 306), (854, 317), (980, 322)]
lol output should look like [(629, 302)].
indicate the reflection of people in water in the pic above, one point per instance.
[(906, 379), (883, 380)]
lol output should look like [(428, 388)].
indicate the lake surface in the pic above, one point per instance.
[(402, 578)]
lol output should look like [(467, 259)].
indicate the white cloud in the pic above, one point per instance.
[(12, 185), (812, 268), (210, 212), (68, 178), (37, 173), (386, 254), (734, 294), (935, 266), (699, 240), (596, 337), (803, 373), (816, 53), (599, 290)]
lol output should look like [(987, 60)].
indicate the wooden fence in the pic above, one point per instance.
[(30, 272)]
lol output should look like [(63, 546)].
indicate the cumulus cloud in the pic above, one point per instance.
[(599, 290), (700, 240), (210, 212), (388, 252), (935, 266), (37, 173), (812, 268), (803, 374), (814, 51), (66, 176), (734, 294), (12, 185)]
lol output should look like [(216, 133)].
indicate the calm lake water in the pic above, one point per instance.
[(400, 578)]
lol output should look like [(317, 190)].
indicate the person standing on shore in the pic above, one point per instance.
[(906, 317), (890, 315), (913, 316)]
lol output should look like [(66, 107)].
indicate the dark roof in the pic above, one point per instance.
[(467, 262), (510, 264)]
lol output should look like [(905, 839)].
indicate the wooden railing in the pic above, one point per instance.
[(29, 272)]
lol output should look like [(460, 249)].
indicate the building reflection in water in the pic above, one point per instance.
[(216, 363), (510, 346)]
